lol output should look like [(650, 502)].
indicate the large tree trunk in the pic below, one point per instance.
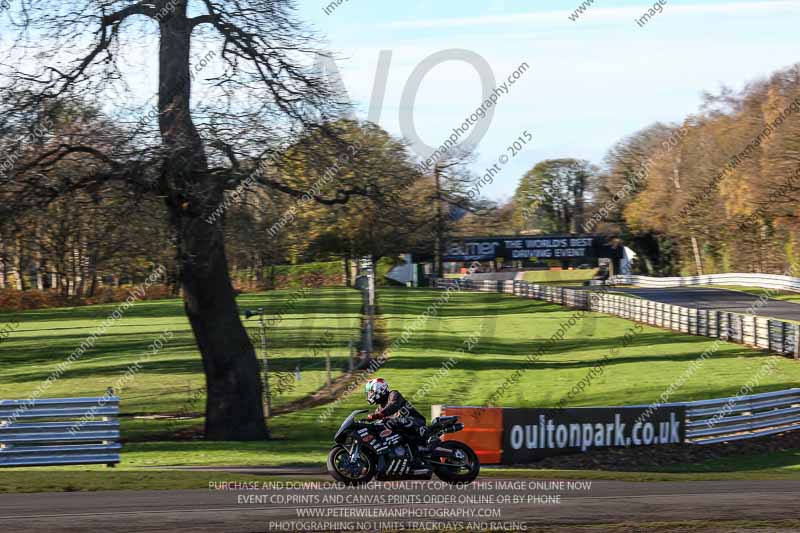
[(233, 410)]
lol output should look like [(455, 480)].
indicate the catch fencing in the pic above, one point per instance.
[(777, 336), (65, 431), (766, 281)]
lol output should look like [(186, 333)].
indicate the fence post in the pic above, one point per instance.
[(741, 329), (729, 322), (726, 331), (797, 341), (784, 334), (769, 335), (697, 314)]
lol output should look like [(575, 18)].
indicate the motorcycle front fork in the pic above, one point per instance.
[(354, 449)]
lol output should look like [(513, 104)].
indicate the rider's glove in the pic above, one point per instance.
[(373, 416)]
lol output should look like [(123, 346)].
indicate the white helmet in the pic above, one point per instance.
[(376, 389)]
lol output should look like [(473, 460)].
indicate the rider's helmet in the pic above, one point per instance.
[(376, 390)]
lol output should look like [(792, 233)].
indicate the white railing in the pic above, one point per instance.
[(742, 417), (766, 281), (59, 431)]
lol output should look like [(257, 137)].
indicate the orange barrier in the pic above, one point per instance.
[(483, 430)]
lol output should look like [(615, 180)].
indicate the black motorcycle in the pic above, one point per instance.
[(366, 450)]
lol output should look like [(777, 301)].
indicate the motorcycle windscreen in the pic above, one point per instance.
[(347, 423)]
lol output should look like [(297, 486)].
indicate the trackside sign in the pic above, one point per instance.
[(531, 434)]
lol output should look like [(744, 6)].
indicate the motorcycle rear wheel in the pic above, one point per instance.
[(338, 466), (463, 469)]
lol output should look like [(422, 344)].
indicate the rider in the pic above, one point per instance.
[(398, 412)]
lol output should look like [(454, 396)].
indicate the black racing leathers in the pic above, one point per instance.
[(395, 405), (400, 413)]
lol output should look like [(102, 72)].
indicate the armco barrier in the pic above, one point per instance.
[(742, 417), (766, 281), (63, 431), (521, 435), (777, 336)]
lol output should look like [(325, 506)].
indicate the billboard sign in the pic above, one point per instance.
[(538, 247), (532, 434)]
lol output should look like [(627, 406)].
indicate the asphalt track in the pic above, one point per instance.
[(717, 299), (391, 506)]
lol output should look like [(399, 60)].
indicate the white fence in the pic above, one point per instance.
[(777, 336), (743, 417), (767, 281)]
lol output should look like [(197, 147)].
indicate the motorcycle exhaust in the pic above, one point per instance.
[(441, 452), (454, 428)]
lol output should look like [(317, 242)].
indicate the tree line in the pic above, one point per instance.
[(714, 193), (83, 241)]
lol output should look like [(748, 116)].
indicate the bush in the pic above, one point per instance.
[(315, 275), (11, 300), (14, 300), (36, 299)]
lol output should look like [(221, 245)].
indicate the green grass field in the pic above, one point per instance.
[(551, 277), (570, 277), (506, 329)]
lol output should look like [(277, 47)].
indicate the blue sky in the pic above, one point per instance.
[(593, 81)]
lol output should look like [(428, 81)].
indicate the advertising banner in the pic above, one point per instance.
[(532, 434), (540, 247)]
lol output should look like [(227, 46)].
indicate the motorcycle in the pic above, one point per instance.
[(366, 450)]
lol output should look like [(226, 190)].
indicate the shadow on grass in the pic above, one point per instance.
[(424, 341)]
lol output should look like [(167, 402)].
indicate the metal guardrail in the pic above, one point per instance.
[(767, 281), (59, 431), (742, 417)]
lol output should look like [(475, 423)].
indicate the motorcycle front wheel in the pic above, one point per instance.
[(342, 469), (463, 467)]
